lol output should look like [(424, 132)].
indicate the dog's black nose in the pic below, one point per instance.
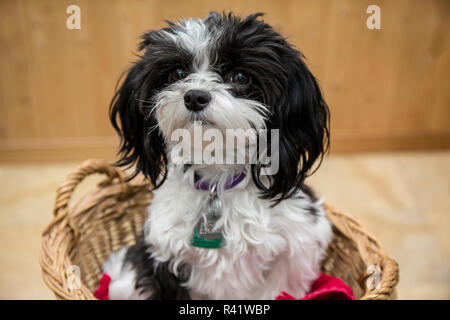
[(196, 100)]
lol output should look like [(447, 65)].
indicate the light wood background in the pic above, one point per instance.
[(387, 89)]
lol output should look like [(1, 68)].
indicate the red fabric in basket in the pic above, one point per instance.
[(102, 292), (326, 287)]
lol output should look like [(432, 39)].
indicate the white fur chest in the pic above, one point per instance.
[(267, 250)]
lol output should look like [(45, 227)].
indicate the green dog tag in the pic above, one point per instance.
[(208, 241)]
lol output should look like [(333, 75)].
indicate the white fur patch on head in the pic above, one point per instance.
[(194, 37)]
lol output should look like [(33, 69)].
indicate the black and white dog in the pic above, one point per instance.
[(221, 231)]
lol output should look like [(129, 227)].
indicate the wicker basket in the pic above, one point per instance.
[(111, 216)]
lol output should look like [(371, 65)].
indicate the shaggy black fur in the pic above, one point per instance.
[(156, 278)]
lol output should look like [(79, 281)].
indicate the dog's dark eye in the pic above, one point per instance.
[(239, 77), (178, 74)]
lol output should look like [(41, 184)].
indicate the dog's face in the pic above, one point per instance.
[(200, 77), (225, 73)]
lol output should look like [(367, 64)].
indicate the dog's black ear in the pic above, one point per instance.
[(302, 117), (141, 143)]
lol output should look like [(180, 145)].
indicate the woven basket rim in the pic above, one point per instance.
[(59, 236)]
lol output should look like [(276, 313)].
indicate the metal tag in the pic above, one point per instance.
[(204, 235)]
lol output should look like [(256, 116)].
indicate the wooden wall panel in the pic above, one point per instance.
[(387, 89)]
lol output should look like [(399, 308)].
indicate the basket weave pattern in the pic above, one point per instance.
[(111, 216)]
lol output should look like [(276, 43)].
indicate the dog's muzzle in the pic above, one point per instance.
[(196, 100)]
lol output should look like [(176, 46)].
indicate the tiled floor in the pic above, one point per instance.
[(403, 198)]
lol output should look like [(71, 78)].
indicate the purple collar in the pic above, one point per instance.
[(229, 184)]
